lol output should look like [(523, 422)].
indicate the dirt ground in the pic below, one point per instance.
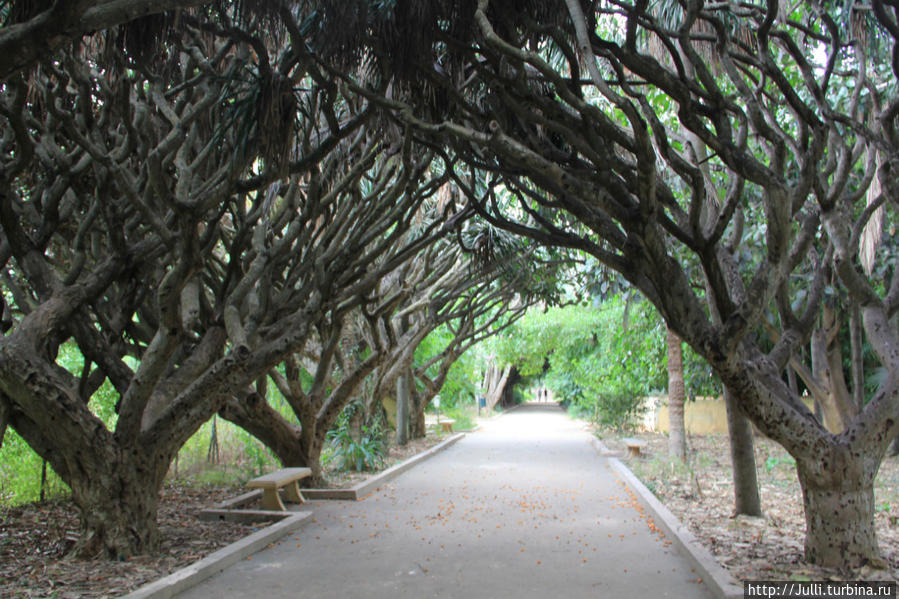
[(35, 538), (769, 548)]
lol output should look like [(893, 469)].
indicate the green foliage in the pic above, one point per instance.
[(356, 451), (259, 459), (364, 453), (20, 466), (460, 385), (104, 399), (599, 361), (463, 415), (240, 456), (20, 473)]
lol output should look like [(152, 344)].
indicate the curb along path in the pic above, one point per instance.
[(523, 508)]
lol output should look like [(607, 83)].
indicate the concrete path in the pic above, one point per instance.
[(524, 507)]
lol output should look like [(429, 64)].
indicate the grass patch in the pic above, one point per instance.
[(465, 417)]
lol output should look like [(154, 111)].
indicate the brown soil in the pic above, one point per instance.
[(35, 538), (770, 548)]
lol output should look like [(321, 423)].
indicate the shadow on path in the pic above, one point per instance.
[(522, 508)]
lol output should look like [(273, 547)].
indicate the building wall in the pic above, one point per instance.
[(703, 416)]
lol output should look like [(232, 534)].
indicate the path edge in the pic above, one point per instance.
[(192, 575), (713, 574), (361, 490)]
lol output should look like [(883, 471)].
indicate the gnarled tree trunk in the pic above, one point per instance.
[(115, 489), (285, 439), (118, 505), (494, 384), (838, 498)]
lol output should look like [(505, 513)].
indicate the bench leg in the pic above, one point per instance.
[(292, 492), (272, 501), (633, 452)]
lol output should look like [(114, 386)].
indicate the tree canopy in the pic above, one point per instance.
[(213, 188), (602, 360), (727, 160)]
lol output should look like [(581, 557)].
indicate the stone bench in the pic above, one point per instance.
[(633, 446), (447, 425), (286, 478)]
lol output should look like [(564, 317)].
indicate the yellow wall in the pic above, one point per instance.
[(390, 408), (703, 416)]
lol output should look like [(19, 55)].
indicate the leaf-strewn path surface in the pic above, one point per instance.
[(522, 508)]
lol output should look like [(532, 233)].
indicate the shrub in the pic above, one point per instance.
[(356, 450), (365, 453)]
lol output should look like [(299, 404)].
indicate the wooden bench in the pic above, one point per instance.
[(286, 478), (447, 425), (634, 446)]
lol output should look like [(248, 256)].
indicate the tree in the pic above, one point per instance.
[(494, 281), (321, 377), (486, 310), (677, 441), (601, 360), (34, 30), (494, 384), (174, 218), (572, 120)]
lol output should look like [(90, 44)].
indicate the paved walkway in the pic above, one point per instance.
[(524, 507)]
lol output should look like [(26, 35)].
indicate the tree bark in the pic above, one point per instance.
[(23, 44), (118, 505), (839, 407), (742, 458), (417, 428), (402, 408), (115, 489), (858, 368), (507, 392), (839, 515), (287, 441), (418, 405), (495, 384), (894, 447), (677, 438)]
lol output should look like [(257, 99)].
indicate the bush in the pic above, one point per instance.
[(356, 451), (366, 453)]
